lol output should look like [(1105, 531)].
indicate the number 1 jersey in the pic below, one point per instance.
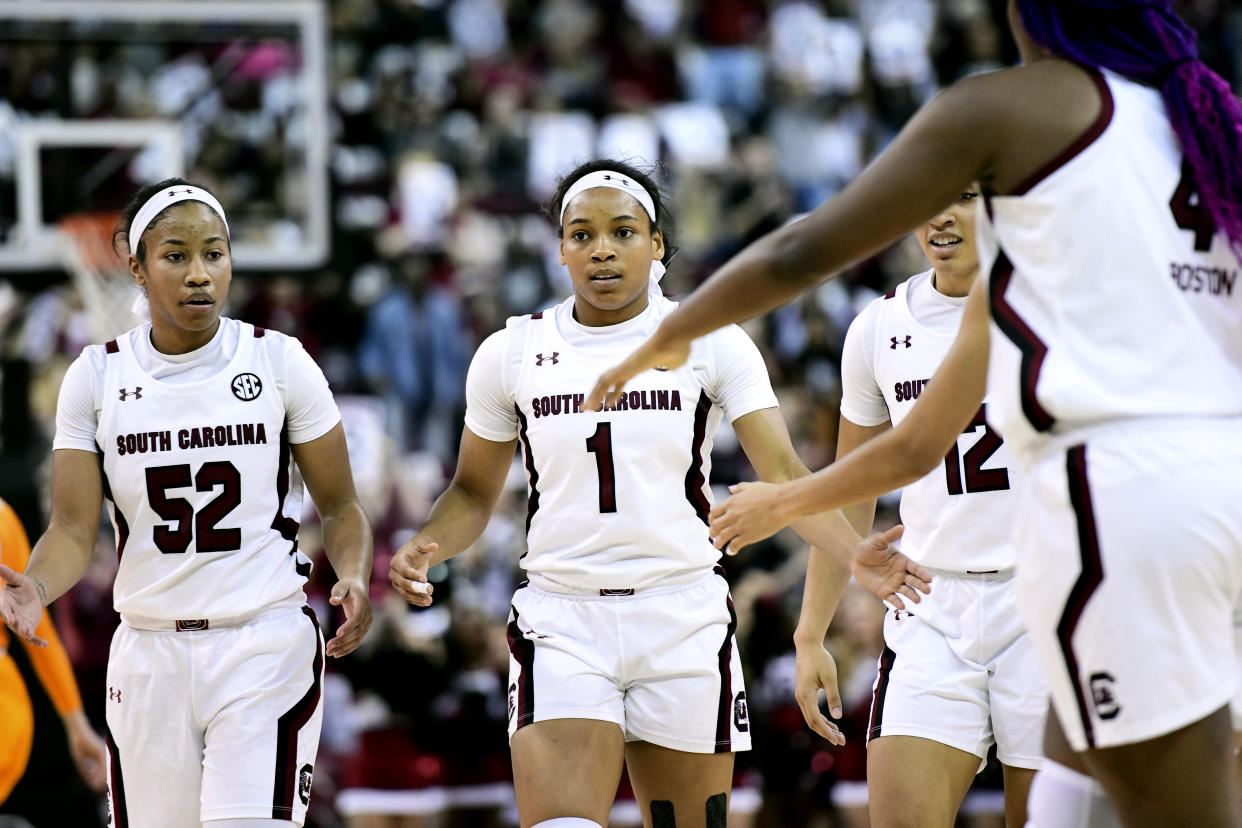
[(959, 515), (198, 476), (617, 499)]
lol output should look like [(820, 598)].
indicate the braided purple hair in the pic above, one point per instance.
[(1145, 40)]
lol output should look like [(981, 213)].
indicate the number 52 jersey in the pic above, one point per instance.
[(617, 499), (958, 516), (197, 474)]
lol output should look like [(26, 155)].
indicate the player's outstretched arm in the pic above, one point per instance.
[(324, 463), (952, 141), (60, 556), (900, 456), (458, 517)]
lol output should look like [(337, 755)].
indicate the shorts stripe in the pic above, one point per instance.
[(284, 787), (1089, 578), (887, 659), (724, 713), (523, 652), (120, 814)]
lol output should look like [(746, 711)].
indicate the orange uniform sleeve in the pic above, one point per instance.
[(51, 663)]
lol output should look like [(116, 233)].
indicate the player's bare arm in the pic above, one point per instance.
[(1002, 126), (900, 456), (324, 463), (61, 554), (458, 517)]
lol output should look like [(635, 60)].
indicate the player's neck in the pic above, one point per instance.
[(176, 341), (954, 284)]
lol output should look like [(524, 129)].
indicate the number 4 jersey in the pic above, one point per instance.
[(617, 499), (197, 473), (958, 516)]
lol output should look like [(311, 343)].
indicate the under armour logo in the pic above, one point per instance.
[(114, 694), (897, 342), (124, 394), (1102, 695), (540, 358)]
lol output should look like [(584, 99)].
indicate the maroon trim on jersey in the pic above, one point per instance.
[(523, 652), (285, 786), (537, 315), (111, 347), (891, 294), (724, 712), (122, 527), (286, 526), (532, 500), (116, 782), (1032, 347), (1085, 140), (258, 332), (694, 475), (887, 659), (1089, 576)]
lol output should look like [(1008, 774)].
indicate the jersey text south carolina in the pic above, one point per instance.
[(241, 434), (662, 400)]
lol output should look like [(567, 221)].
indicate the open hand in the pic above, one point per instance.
[(885, 572), (352, 597), (651, 354), (20, 605), (817, 670), (408, 571), (751, 514)]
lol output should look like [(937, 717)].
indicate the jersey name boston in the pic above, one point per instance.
[(956, 517), (618, 498)]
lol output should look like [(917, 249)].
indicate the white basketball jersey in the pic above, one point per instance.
[(618, 499), (958, 516), (200, 485), (1112, 296)]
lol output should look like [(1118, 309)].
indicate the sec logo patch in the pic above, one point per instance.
[(246, 386)]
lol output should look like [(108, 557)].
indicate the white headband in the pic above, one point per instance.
[(615, 180), (165, 198)]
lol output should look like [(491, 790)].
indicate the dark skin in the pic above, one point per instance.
[(999, 129), (186, 274)]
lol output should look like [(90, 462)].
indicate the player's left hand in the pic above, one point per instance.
[(88, 751), (815, 670), (651, 354), (352, 597), (20, 606), (754, 512)]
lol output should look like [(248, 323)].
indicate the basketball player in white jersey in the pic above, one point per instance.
[(1112, 162), (958, 673), (198, 431), (622, 641)]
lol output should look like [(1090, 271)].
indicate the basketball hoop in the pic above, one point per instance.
[(99, 274)]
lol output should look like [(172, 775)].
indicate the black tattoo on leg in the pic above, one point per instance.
[(717, 810), (662, 814)]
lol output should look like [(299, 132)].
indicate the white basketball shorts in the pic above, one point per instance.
[(662, 663), (216, 723), (1129, 568), (959, 669)]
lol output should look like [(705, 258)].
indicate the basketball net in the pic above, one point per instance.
[(99, 274)]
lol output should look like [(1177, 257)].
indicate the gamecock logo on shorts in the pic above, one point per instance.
[(741, 716), (304, 783), (1106, 705), (512, 700), (246, 386)]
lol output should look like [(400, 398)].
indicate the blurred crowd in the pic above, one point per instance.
[(450, 121)]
